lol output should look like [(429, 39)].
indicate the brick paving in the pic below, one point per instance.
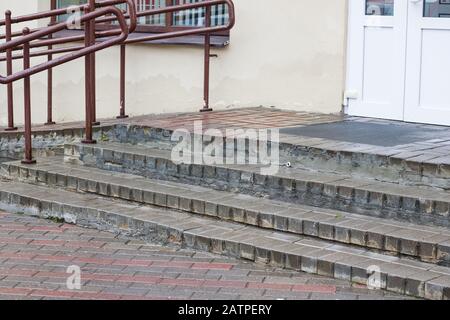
[(434, 151), (35, 255), (257, 118)]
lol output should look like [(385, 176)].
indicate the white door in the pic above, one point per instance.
[(427, 95), (399, 60), (376, 57)]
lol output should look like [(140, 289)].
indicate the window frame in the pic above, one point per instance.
[(169, 27)]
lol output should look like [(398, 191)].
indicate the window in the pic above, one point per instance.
[(167, 22), (143, 5), (196, 17)]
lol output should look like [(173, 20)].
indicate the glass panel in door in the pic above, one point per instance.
[(380, 7), (436, 8)]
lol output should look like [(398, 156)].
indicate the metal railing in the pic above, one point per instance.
[(94, 14), (9, 21)]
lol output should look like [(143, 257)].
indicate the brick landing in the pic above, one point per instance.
[(425, 161), (35, 254), (434, 151), (255, 118)]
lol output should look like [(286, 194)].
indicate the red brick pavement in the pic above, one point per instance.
[(35, 254), (251, 118)]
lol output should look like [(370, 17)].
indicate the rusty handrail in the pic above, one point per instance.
[(207, 30), (194, 30), (34, 39), (131, 15), (9, 20), (148, 38), (44, 52), (188, 6), (58, 12), (61, 26), (28, 71)]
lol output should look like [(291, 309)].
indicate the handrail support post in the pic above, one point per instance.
[(50, 82), (28, 159), (9, 70), (88, 83), (93, 69), (122, 114), (207, 61)]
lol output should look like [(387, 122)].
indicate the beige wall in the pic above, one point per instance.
[(288, 58)]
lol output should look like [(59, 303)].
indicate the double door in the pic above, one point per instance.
[(399, 60)]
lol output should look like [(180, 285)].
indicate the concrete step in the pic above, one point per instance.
[(422, 205), (427, 243), (407, 164), (204, 233)]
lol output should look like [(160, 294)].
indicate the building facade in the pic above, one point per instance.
[(376, 58)]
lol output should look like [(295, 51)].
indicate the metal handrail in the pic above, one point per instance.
[(94, 13), (28, 71), (131, 5), (26, 39), (148, 38), (52, 14)]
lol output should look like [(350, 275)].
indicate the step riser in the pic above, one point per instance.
[(10, 155), (327, 195), (45, 142), (370, 166), (311, 154), (228, 210), (248, 248)]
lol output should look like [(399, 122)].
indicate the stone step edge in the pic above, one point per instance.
[(321, 147), (367, 235), (72, 151), (393, 277), (361, 197)]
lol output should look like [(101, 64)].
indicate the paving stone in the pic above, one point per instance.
[(376, 236), (438, 288), (443, 250), (383, 202), (272, 251), (415, 284)]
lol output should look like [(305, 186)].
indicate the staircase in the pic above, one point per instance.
[(308, 217)]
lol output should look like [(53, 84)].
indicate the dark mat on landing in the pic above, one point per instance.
[(384, 135)]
